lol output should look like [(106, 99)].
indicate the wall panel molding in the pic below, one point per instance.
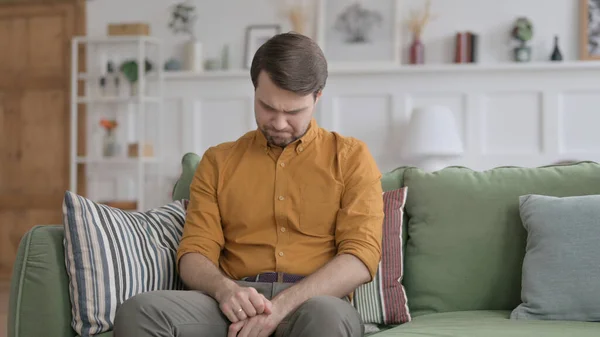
[(515, 115)]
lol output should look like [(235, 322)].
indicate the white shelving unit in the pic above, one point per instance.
[(147, 97)]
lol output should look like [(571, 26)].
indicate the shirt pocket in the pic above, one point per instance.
[(319, 205)]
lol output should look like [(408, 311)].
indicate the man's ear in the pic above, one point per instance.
[(318, 95)]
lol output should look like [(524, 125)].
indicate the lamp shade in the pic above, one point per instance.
[(432, 131)]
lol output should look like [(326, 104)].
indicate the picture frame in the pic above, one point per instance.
[(376, 42), (589, 32), (256, 36)]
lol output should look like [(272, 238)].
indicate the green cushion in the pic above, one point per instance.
[(466, 241), (394, 179), (39, 302), (561, 278), (488, 324), (189, 162)]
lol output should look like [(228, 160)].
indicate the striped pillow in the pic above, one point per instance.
[(112, 255), (383, 300)]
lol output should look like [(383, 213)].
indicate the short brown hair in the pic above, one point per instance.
[(294, 62)]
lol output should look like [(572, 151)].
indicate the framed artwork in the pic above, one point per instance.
[(359, 31), (256, 36), (589, 40)]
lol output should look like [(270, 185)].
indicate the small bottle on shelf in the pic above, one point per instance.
[(556, 53)]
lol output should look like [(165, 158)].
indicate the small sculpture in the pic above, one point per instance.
[(357, 23), (522, 32)]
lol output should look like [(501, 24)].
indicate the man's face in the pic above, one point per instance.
[(281, 115)]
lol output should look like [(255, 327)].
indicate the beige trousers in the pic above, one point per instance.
[(194, 314)]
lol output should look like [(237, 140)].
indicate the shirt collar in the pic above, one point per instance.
[(309, 136)]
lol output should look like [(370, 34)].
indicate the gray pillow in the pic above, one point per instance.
[(561, 269)]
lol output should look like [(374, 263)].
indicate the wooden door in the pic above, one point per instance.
[(35, 66)]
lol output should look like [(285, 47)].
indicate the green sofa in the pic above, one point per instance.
[(464, 247)]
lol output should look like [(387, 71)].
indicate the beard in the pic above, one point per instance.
[(279, 140), (282, 139)]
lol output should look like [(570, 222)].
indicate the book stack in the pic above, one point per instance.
[(466, 47)]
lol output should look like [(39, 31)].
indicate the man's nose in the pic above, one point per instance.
[(279, 122)]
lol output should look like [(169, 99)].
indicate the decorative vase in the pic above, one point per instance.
[(297, 19), (133, 89), (109, 143), (556, 53), (193, 56), (522, 54), (417, 51)]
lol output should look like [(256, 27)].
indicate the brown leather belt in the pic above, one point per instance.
[(273, 277)]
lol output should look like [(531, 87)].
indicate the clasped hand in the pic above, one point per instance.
[(249, 311)]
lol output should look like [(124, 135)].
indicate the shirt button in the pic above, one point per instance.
[(280, 253), (283, 229), (300, 148), (281, 197), (282, 164)]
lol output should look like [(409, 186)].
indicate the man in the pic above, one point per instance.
[(282, 225)]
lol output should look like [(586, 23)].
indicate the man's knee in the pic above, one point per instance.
[(138, 313), (167, 313), (326, 316)]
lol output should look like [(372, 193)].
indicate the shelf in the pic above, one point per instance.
[(148, 164), (183, 75), (383, 68), (466, 67), (134, 99), (117, 39), (115, 160), (89, 77)]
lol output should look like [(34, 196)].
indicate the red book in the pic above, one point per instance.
[(460, 52)]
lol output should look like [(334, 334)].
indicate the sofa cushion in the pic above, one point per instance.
[(383, 300), (189, 163), (112, 255), (39, 302), (393, 180), (488, 324), (561, 277), (466, 241)]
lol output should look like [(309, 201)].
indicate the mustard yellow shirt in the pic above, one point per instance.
[(255, 208)]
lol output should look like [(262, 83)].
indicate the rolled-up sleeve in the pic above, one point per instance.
[(202, 231), (360, 219)]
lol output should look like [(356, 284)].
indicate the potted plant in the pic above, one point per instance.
[(109, 142), (297, 12), (522, 32), (183, 18), (417, 24), (129, 69)]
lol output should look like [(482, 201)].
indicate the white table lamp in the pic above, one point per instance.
[(432, 136)]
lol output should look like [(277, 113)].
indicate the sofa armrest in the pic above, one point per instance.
[(39, 303)]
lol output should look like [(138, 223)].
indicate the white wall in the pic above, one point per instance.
[(223, 22), (519, 115), (525, 115)]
